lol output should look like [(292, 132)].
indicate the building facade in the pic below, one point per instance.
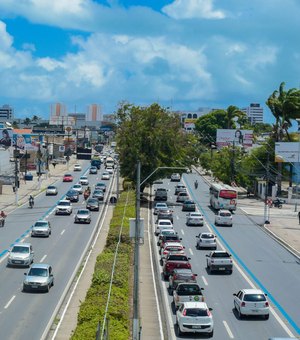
[(6, 113), (254, 112), (94, 113)]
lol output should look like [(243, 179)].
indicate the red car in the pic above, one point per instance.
[(174, 261), (68, 178)]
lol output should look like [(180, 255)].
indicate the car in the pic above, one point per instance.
[(180, 275), (175, 177), (64, 207), (168, 239), (83, 180), (251, 302), (163, 224), (194, 317), (219, 260), (41, 228), (77, 167), (171, 247), (93, 170), (78, 187), (195, 219), (105, 176), (83, 215), (99, 194), (182, 196), (187, 291), (158, 206), (188, 205), (68, 178), (161, 194), (165, 232), (39, 277), (165, 214), (51, 190), (92, 204), (101, 186), (223, 217), (110, 169), (179, 188), (20, 254), (206, 240), (72, 195), (59, 160), (173, 261)]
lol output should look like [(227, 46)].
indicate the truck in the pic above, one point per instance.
[(109, 162), (219, 260), (96, 162), (187, 292)]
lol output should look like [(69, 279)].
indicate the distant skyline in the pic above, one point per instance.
[(183, 54)]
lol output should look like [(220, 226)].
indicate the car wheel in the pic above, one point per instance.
[(267, 317), (230, 271), (47, 289), (211, 334), (179, 331), (52, 284), (197, 247), (161, 262), (240, 315), (166, 277), (24, 289)]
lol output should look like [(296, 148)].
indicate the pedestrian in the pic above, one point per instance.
[(299, 216)]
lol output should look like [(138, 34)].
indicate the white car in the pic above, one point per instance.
[(194, 218), (64, 207), (163, 224), (251, 302), (83, 215), (41, 228), (158, 206), (206, 240), (223, 217), (83, 180), (77, 167), (78, 188), (169, 247), (105, 176), (194, 317), (182, 196), (51, 190), (21, 254), (110, 170), (175, 177)]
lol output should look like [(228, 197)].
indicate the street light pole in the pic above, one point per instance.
[(16, 174), (266, 217)]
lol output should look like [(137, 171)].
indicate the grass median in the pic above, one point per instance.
[(92, 310)]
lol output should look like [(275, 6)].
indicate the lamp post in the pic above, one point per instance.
[(39, 162)]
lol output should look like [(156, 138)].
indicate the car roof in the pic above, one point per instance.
[(252, 291), (22, 244), (64, 201), (173, 244), (42, 221), (164, 220), (183, 270), (197, 304), (40, 265), (196, 214), (208, 233), (224, 211)]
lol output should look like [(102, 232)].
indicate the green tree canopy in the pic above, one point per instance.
[(154, 136)]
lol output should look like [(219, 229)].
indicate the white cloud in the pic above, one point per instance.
[(189, 9), (6, 40)]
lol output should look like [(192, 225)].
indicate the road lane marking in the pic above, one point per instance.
[(228, 330), (62, 232), (9, 302), (190, 250), (177, 217), (43, 258), (182, 232), (204, 280)]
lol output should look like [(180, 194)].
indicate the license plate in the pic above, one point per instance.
[(222, 268), (254, 310), (196, 326), (16, 261), (34, 286)]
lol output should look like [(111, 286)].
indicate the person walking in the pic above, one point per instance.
[(299, 216)]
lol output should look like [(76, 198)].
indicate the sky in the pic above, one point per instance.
[(183, 54)]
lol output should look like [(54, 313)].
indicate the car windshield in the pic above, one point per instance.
[(77, 186), (178, 258), (194, 312), (207, 236), (68, 175), (98, 192), (171, 237), (64, 203), (83, 177), (82, 212), (196, 215), (221, 254), (72, 192), (41, 224), (38, 272), (170, 248), (20, 249), (189, 289), (162, 223), (225, 214), (100, 185), (254, 297), (51, 187), (92, 200)]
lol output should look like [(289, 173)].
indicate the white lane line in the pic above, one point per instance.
[(62, 232), (190, 250), (182, 232), (177, 217), (9, 302), (43, 258), (228, 330), (204, 280)]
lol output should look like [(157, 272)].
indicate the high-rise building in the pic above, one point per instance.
[(6, 113), (59, 115), (94, 113), (254, 112)]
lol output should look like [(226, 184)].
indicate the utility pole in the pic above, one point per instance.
[(16, 174), (39, 162), (266, 217), (136, 256), (232, 163)]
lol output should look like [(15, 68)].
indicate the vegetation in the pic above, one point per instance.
[(153, 136), (93, 308)]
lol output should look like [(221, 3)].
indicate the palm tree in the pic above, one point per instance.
[(27, 121), (232, 112), (35, 119)]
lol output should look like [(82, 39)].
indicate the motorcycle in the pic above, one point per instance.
[(31, 204), (196, 184), (2, 221), (277, 203)]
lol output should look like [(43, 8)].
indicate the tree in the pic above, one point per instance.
[(232, 112), (27, 121), (15, 124), (35, 119), (153, 136)]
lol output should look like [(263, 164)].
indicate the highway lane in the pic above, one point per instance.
[(219, 287), (62, 250)]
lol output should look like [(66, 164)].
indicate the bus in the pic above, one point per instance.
[(223, 196)]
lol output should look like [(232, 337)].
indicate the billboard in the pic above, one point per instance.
[(27, 142), (236, 137), (287, 152), (6, 136)]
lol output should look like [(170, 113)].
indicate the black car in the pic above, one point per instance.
[(72, 196), (99, 194), (92, 204), (93, 170)]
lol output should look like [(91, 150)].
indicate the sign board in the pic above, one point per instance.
[(61, 148), (287, 152), (27, 142), (6, 136), (229, 137), (132, 228)]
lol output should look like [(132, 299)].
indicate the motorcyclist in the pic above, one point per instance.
[(31, 201), (2, 214), (196, 184)]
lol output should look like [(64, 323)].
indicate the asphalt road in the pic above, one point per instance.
[(26, 316), (259, 262)]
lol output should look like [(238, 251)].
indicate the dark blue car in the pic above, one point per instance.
[(72, 196)]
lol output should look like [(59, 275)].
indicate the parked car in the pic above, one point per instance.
[(105, 176), (223, 217), (175, 177), (83, 215), (251, 302), (158, 206), (20, 254), (182, 196), (161, 194), (64, 207), (77, 167), (68, 178), (188, 205), (78, 187), (195, 219), (101, 186), (39, 277), (187, 291), (92, 204), (99, 194), (194, 317), (83, 180), (51, 190), (41, 228), (93, 170), (206, 240), (181, 275), (163, 224), (72, 195), (179, 187)]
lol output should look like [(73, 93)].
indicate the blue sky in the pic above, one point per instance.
[(184, 54)]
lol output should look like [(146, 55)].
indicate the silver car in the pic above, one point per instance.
[(64, 207), (83, 180), (78, 187), (41, 228), (194, 218), (39, 277), (83, 216), (21, 254), (51, 190), (206, 240)]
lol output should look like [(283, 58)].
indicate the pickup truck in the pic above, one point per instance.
[(175, 261), (219, 260), (187, 292)]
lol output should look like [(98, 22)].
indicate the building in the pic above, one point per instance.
[(94, 113), (255, 113), (79, 119), (188, 118), (6, 113), (59, 115)]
